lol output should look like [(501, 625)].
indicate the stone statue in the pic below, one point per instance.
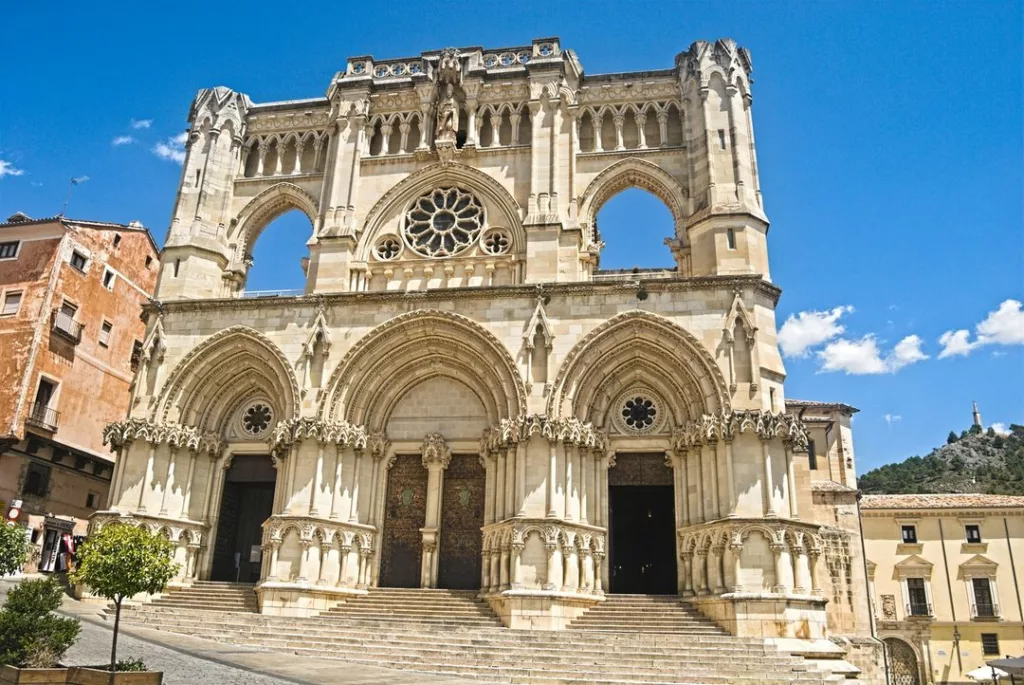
[(447, 116)]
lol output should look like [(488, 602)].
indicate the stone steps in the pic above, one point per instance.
[(211, 596), (456, 634), (646, 614)]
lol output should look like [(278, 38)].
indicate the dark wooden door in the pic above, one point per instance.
[(462, 516), (405, 511), (244, 508), (641, 511)]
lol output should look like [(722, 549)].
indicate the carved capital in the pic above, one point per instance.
[(434, 450)]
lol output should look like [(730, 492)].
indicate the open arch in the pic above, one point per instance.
[(633, 347), (502, 209), (635, 173), (277, 260), (210, 382), (634, 224), (264, 208), (374, 375)]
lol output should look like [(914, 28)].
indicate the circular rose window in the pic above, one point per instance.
[(443, 222), (257, 418)]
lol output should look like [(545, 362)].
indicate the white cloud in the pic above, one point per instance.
[(1000, 428), (8, 169), (172, 149), (141, 123), (122, 140), (1004, 326), (892, 418), (805, 330), (863, 357)]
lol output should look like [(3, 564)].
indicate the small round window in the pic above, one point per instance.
[(257, 418), (639, 413)]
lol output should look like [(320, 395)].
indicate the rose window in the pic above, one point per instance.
[(443, 222), (639, 412), (257, 418), (388, 248), (496, 243)]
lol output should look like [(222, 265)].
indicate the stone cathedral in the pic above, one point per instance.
[(461, 397)]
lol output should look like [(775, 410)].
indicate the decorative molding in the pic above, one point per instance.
[(567, 430), (434, 450), (710, 428), (119, 434)]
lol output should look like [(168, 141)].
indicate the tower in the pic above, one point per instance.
[(976, 415)]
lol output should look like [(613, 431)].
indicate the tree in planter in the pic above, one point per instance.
[(13, 549), (31, 636), (121, 561)]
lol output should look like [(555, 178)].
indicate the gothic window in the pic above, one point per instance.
[(388, 248), (257, 418), (443, 222), (496, 242)]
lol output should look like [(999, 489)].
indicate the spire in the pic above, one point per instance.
[(977, 416)]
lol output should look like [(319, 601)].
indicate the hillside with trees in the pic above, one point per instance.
[(975, 461)]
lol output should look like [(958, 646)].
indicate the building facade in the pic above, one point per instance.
[(71, 294), (945, 583), (462, 398)]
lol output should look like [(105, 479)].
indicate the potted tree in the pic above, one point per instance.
[(32, 638), (118, 562)]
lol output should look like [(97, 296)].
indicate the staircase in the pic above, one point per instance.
[(208, 595), (454, 633), (646, 614)]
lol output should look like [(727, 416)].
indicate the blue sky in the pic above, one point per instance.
[(889, 144)]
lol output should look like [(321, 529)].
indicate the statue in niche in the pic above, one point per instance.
[(447, 116)]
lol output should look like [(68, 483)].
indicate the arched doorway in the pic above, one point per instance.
[(247, 501), (903, 666)]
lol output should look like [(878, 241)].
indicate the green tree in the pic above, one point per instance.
[(121, 561), (31, 636), (13, 548), (951, 438)]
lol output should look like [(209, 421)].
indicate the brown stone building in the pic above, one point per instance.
[(70, 334)]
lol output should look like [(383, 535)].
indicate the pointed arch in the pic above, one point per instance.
[(502, 209), (638, 347), (634, 173), (218, 373), (411, 348), (264, 208)]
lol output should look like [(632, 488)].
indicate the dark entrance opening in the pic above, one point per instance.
[(462, 517), (405, 512), (641, 510), (247, 502)]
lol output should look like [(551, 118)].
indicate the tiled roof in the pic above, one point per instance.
[(813, 404), (830, 486), (940, 501)]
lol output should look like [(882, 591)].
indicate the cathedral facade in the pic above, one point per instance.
[(462, 398)]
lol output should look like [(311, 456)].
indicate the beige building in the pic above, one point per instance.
[(945, 583), (70, 296), (462, 398)]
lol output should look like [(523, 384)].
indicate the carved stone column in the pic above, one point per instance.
[(316, 484), (587, 559), (687, 582), (343, 552), (801, 571), (812, 558), (304, 561), (717, 582), (768, 480), (781, 560), (148, 478), (598, 572), (517, 572), (503, 567), (325, 551), (275, 549), (436, 456), (186, 502), (364, 568), (701, 558), (485, 569), (570, 567), (554, 580), (168, 480), (736, 549)]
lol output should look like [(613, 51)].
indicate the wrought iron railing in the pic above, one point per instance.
[(42, 416), (986, 610), (66, 326), (919, 609)]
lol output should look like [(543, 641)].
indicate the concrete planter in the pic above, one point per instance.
[(98, 676), (9, 675)]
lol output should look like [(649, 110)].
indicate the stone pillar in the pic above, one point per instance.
[(588, 569), (168, 480), (275, 549), (187, 499), (701, 511), (791, 484), (767, 480), (364, 568), (500, 486), (520, 491), (598, 572), (490, 489), (701, 557), (315, 485), (337, 481), (716, 483), (569, 484), (436, 456), (485, 569), (584, 457), (472, 130), (781, 561), (495, 562), (304, 561), (293, 458), (801, 571), (663, 128), (618, 120), (553, 580), (570, 568), (730, 479), (190, 569), (736, 550), (510, 481), (343, 554), (684, 487), (353, 511), (325, 551), (212, 471), (812, 559), (517, 572), (148, 478), (641, 119), (716, 583), (552, 478), (503, 567), (689, 586)]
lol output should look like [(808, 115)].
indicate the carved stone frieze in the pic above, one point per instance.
[(567, 430), (341, 433), (710, 428), (118, 434)]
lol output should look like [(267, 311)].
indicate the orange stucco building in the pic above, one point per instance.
[(70, 333)]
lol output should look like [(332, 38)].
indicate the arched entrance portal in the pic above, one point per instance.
[(641, 515), (247, 501), (903, 667)]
